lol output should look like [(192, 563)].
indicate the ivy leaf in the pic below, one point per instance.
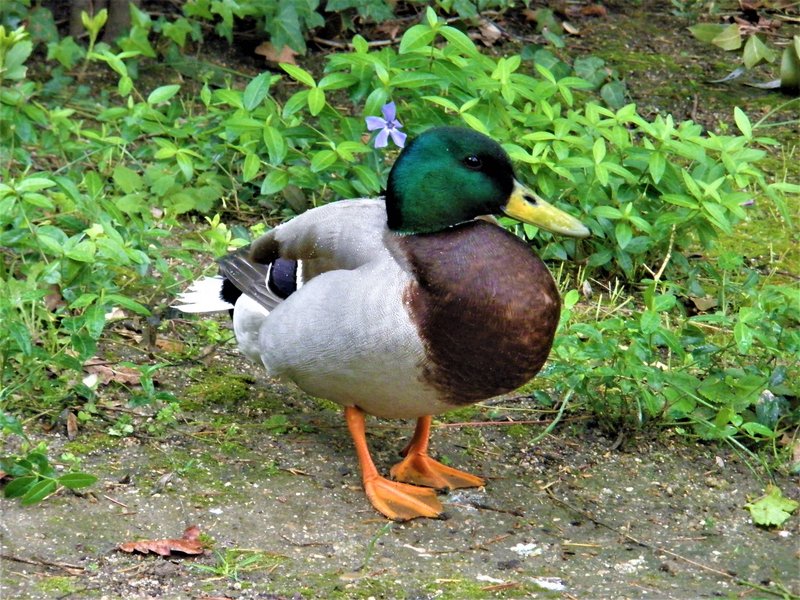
[(772, 509), (729, 38), (756, 52)]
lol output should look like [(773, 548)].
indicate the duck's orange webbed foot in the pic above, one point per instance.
[(402, 502), (397, 501), (420, 469)]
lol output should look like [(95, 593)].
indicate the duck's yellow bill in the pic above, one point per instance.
[(528, 207)]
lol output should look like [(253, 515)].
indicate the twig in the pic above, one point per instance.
[(117, 502), (348, 45), (304, 544), (69, 568), (667, 258)]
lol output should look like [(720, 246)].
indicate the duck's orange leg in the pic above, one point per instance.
[(420, 469), (397, 501)]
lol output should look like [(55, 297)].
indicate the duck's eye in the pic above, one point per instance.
[(473, 162)]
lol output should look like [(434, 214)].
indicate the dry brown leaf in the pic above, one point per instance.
[(594, 10), (107, 374), (489, 32), (168, 345), (72, 426), (268, 51), (53, 300), (188, 544), (390, 28), (705, 303), (116, 314)]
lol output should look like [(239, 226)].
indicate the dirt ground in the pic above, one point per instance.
[(269, 476), (569, 516)]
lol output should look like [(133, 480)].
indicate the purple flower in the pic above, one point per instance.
[(388, 125)]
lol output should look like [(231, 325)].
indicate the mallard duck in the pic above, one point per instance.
[(404, 306)]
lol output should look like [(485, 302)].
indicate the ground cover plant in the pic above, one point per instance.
[(115, 184)]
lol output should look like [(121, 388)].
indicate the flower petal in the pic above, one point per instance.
[(382, 139), (374, 123), (398, 137), (389, 111)]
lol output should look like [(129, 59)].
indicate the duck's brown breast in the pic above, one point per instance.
[(486, 309)]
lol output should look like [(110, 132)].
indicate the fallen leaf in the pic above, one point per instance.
[(594, 10), (53, 300), (390, 28), (72, 426), (168, 345), (284, 55), (489, 32), (116, 314), (188, 544), (772, 509), (705, 303), (107, 374)]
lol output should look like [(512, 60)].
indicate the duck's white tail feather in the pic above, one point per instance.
[(203, 296)]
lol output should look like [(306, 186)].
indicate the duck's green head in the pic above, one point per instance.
[(449, 175)]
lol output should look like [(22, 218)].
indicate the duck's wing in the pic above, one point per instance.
[(342, 235)]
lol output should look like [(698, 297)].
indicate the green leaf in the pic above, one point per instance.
[(623, 233), (84, 345), (276, 146), (83, 251), (756, 52), (706, 32), (608, 212), (316, 100), (20, 334), (127, 180), (656, 166), (285, 27), (274, 182), (94, 319), (614, 94), (772, 509), (730, 38), (431, 17), (127, 303), (162, 94), (649, 322), (299, 74), (256, 91), (599, 150), (322, 160), (252, 164), (14, 58), (34, 184), (75, 481), (19, 486), (742, 122), (790, 66), (459, 40), (39, 492), (416, 37), (475, 123)]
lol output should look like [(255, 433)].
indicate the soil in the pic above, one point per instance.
[(573, 515), (269, 476)]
